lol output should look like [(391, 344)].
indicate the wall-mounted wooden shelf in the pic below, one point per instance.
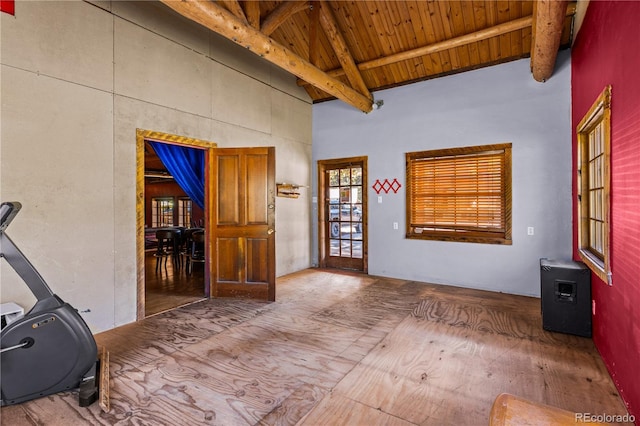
[(287, 190)]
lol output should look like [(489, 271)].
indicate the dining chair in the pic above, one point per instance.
[(196, 252), (168, 246)]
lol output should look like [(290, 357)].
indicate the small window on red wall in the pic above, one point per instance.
[(594, 153), (184, 212), (162, 212)]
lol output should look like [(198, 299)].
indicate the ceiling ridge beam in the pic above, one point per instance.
[(280, 14), (486, 33), (546, 32), (339, 45), (223, 22)]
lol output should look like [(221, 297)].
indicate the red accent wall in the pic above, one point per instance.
[(167, 189), (607, 51)]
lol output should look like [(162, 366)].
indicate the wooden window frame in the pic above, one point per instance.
[(598, 114), (185, 212), (481, 233), (156, 216)]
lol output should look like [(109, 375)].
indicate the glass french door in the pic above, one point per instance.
[(344, 215)]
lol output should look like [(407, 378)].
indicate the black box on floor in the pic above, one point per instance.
[(565, 293)]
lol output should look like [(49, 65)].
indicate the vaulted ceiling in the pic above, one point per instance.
[(350, 49)]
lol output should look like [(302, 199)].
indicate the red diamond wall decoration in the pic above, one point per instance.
[(8, 6), (386, 186)]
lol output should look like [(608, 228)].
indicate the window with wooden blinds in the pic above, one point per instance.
[(594, 181), (460, 194)]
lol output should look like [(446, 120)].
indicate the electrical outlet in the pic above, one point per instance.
[(379, 199), (530, 230), (395, 225)]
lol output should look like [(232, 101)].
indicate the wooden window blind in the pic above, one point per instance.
[(460, 194)]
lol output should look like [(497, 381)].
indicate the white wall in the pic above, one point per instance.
[(493, 105), (77, 80)]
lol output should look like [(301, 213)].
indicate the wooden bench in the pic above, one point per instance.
[(511, 410)]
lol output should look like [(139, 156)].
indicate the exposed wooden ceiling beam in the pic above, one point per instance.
[(280, 14), (234, 7), (339, 45), (221, 21), (546, 34), (506, 27), (496, 30), (252, 10)]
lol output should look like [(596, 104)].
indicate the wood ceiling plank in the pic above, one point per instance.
[(480, 19), (234, 7), (314, 33), (436, 22), (435, 59), (291, 36), (527, 9), (297, 35), (458, 28), (396, 39), (386, 38), (374, 45), (487, 33), (377, 24), (328, 24), (447, 26), (387, 25), (221, 21), (252, 11), (505, 39), (415, 15), (492, 20), (515, 12), (356, 31), (281, 13), (407, 38), (468, 18), (342, 15)]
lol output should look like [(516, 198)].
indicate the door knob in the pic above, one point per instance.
[(270, 231)]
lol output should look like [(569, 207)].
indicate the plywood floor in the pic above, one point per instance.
[(337, 348)]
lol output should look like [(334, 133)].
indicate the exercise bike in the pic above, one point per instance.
[(50, 349)]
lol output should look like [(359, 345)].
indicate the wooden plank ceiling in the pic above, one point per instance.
[(349, 49)]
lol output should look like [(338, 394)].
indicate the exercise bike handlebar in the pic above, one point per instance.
[(18, 261), (8, 210)]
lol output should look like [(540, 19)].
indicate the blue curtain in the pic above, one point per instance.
[(186, 165)]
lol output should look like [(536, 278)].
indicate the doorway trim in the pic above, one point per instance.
[(323, 165), (209, 147)]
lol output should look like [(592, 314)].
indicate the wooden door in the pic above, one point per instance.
[(343, 213), (244, 221)]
